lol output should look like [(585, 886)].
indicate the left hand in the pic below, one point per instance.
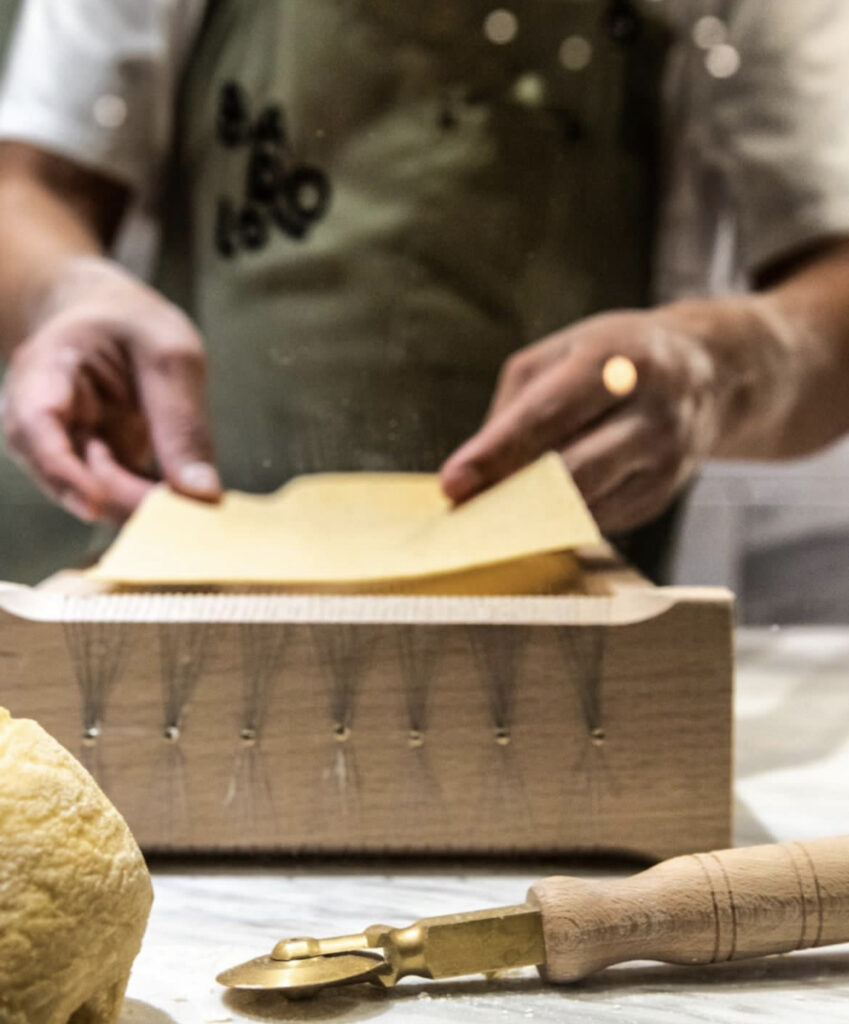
[(628, 453)]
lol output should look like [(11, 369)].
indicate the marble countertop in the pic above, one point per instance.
[(792, 751)]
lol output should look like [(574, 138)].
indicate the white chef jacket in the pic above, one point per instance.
[(756, 111)]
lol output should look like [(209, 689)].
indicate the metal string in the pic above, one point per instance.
[(418, 654), (249, 793), (419, 649), (263, 650), (498, 653), (181, 652), (582, 648), (98, 653), (343, 658)]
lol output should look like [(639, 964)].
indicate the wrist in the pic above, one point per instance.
[(751, 347), (74, 279)]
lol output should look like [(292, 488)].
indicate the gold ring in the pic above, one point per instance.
[(619, 375)]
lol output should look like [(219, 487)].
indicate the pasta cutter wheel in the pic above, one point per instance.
[(436, 947), (303, 976), (699, 909)]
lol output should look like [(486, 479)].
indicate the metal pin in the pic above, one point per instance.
[(91, 735)]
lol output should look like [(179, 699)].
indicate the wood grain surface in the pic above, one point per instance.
[(703, 909), (595, 721)]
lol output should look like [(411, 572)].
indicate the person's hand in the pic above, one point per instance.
[(107, 392), (630, 439)]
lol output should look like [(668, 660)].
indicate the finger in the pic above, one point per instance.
[(128, 439), (172, 388), (45, 448), (527, 364), (544, 415), (619, 446), (637, 501), (123, 490), (519, 370), (112, 374)]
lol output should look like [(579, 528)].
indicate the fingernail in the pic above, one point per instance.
[(199, 478), (77, 507), (463, 481)]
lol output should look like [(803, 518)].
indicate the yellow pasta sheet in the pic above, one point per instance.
[(360, 531)]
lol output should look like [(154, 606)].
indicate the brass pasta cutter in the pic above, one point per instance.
[(436, 947), (699, 909)]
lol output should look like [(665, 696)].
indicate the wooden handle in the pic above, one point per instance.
[(701, 909)]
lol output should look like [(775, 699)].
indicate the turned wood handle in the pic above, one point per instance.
[(702, 909)]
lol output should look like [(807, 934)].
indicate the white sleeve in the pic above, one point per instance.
[(782, 123), (95, 81)]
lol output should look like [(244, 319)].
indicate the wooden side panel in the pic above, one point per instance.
[(417, 737)]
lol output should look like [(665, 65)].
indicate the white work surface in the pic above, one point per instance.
[(792, 773)]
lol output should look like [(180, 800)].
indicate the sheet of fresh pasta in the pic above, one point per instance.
[(359, 530)]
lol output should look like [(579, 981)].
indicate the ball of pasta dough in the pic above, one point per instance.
[(75, 893)]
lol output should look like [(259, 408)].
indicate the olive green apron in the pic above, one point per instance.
[(484, 193), (8, 16)]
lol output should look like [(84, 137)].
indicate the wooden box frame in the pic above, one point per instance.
[(580, 723)]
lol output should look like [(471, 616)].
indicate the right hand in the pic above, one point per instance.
[(106, 393)]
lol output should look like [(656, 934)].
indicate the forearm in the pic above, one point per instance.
[(53, 217), (811, 308), (781, 360)]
